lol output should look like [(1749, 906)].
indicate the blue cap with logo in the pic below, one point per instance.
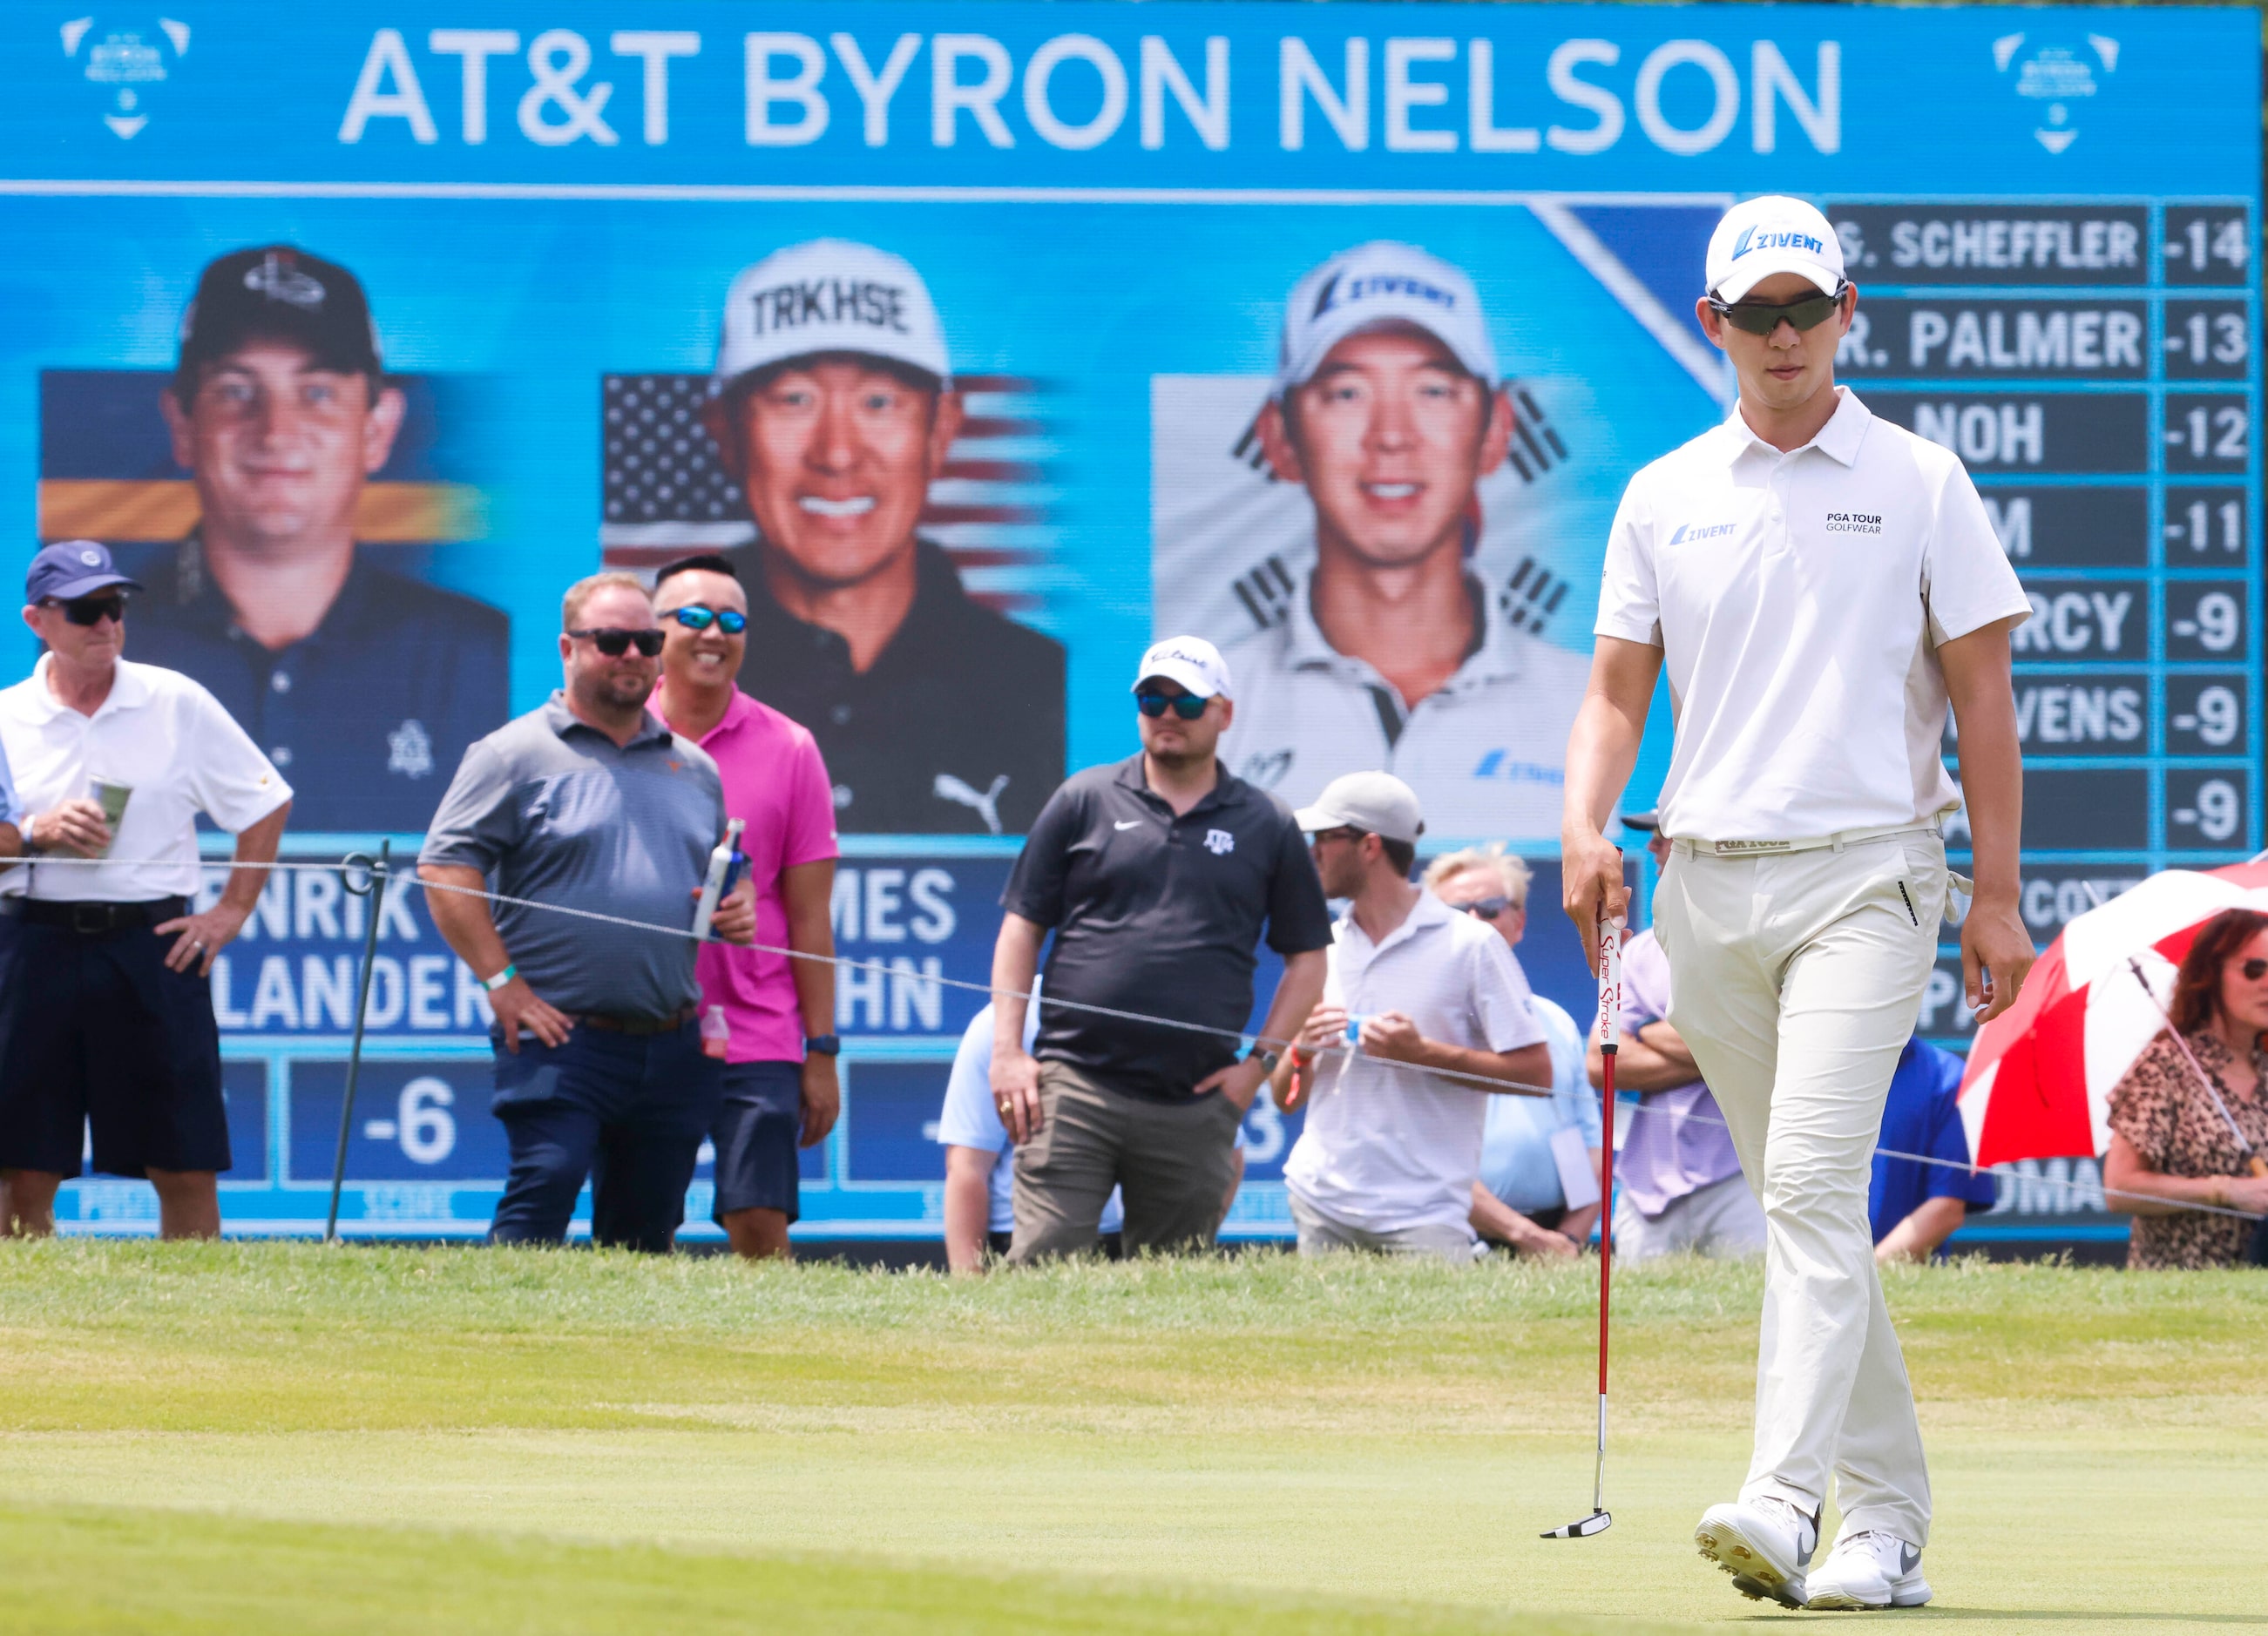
[(72, 568)]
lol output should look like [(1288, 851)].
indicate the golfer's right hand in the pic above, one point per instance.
[(1591, 885), (1016, 1093), (75, 825), (518, 1006)]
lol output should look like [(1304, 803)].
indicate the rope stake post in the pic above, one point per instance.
[(374, 876)]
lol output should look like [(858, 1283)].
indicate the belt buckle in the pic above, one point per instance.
[(90, 919)]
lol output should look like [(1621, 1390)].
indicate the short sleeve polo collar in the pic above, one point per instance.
[(1498, 653), (563, 721), (130, 690), (1840, 440)]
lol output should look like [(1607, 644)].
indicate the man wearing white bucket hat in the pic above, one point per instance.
[(1820, 585), (1392, 655), (833, 405)]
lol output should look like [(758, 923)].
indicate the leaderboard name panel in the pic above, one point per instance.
[(2096, 366)]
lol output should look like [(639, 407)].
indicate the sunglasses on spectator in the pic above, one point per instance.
[(1346, 832), (1188, 705), (613, 641), (695, 617), (1486, 908), (2255, 970), (1758, 319), (93, 609)]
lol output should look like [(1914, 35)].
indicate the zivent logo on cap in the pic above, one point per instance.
[(807, 302), (278, 279), (1339, 292), (1750, 239)]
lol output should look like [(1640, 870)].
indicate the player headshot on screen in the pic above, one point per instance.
[(1392, 655), (364, 684), (833, 406)]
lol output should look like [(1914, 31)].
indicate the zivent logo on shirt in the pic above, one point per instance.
[(830, 301), (1688, 531), (1220, 843), (1853, 523)]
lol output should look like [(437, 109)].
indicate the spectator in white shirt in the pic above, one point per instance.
[(1532, 1193), (106, 1022), (1392, 1143)]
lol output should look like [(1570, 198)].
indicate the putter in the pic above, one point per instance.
[(1610, 1018)]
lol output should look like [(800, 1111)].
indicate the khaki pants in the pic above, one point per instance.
[(1173, 1160), (1321, 1234), (1796, 978)]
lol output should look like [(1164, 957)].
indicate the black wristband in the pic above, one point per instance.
[(823, 1046)]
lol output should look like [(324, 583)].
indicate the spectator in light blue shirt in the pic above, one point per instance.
[(1521, 1198)]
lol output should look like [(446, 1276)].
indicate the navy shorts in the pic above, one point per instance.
[(95, 1031), (756, 1137)]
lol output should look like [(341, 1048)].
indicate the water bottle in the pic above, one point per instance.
[(718, 880), (716, 1033)]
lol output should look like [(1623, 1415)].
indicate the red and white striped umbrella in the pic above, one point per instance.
[(2039, 1076)]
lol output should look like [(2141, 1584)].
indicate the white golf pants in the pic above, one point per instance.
[(1796, 978)]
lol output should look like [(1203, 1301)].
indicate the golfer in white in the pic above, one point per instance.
[(1388, 1155), (1820, 583)]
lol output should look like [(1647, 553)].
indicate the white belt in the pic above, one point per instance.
[(1773, 848)]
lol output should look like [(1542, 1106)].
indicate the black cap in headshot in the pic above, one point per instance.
[(278, 293)]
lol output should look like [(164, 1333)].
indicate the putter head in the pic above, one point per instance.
[(1597, 1523)]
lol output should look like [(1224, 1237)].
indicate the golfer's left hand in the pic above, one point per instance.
[(1239, 1082), (735, 920), (1996, 953), (201, 937)]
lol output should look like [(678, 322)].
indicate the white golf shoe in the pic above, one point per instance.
[(1765, 1544), (1869, 1569)]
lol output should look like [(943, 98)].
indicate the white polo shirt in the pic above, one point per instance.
[(165, 738), (1388, 1147), (1486, 753), (1799, 600)]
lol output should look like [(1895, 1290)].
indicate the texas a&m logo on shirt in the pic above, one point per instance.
[(1220, 843)]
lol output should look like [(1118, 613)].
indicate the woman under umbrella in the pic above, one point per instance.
[(2187, 1123)]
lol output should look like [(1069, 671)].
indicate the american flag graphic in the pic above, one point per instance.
[(665, 490)]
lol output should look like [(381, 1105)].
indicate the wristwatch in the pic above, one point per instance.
[(823, 1046), (1267, 1059)]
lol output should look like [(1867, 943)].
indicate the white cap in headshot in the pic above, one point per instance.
[(1382, 282), (830, 295), (1192, 661), (1378, 803), (1772, 234)]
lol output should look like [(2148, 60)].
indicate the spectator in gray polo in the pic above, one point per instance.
[(590, 803)]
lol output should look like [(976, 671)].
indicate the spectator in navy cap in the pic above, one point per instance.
[(107, 1025), (365, 685)]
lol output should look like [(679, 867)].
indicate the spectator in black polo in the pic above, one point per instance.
[(106, 1020), (365, 685), (590, 803), (1157, 875), (834, 409)]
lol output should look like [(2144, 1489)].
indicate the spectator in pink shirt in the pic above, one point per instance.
[(780, 1087)]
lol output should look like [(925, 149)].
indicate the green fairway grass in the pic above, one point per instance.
[(249, 1438)]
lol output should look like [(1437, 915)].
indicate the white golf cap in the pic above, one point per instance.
[(1382, 282), (830, 296), (1773, 234), (1378, 803), (1192, 661)]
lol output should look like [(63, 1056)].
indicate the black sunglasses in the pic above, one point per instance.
[(2255, 970), (695, 617), (1486, 908), (1758, 319), (614, 642), (1347, 832), (93, 609), (1188, 705)]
